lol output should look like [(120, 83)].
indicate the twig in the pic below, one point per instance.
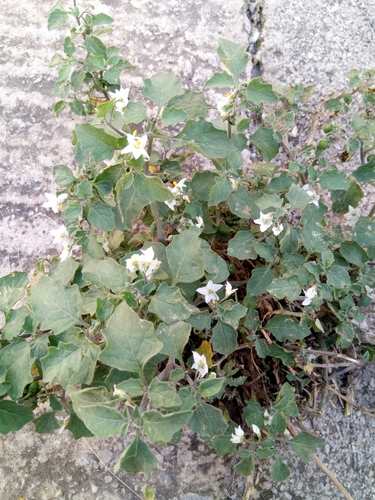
[(368, 411), (324, 468), (267, 337), (113, 474)]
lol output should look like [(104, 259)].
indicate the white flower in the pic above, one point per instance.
[(277, 228), (132, 263), (313, 194), (370, 292), (144, 263), (200, 364), (171, 204), (310, 294), (67, 252), (353, 214), (55, 202), (200, 222), (229, 290), (64, 422), (119, 392), (286, 433), (267, 418), (234, 182), (122, 99), (238, 437), (265, 221), (178, 187), (256, 430), (136, 146), (61, 236), (209, 291)]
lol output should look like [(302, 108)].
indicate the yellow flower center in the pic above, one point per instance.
[(137, 145)]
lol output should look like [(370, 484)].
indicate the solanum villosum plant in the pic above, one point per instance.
[(209, 297)]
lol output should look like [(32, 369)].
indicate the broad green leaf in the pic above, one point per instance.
[(314, 238), (261, 278), (215, 266), (312, 213), (95, 46), (258, 92), (278, 425), (222, 444), (16, 358), (346, 333), (64, 271), (169, 304), (286, 401), (101, 18), (242, 245), (152, 188), (219, 81), (204, 138), (243, 204), (233, 55), (231, 312), (253, 414), (137, 457), (57, 18), (63, 176), (289, 242), (334, 105), (279, 471), (269, 201), (77, 107), (334, 180), (130, 205), (366, 172), (97, 142), (279, 352), (208, 388), (95, 407), (305, 445), (132, 386), (208, 421), (101, 216), (12, 289), (364, 232), (245, 467), (338, 277), (341, 199), (224, 338), (192, 103), (289, 288), (13, 416), (263, 139), (131, 342), (200, 321), (61, 363), (56, 306), (172, 116), (15, 320), (135, 112), (163, 395), (284, 328), (46, 423), (220, 191), (105, 272), (162, 88), (185, 257), (298, 197), (202, 184), (160, 427), (353, 253)]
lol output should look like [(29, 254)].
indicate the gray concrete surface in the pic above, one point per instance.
[(311, 42)]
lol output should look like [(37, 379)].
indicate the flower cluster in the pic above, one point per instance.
[(61, 237), (122, 99), (266, 220), (313, 194), (145, 263), (178, 191)]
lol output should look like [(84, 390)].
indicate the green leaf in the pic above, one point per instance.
[(137, 457), (233, 55), (266, 144), (15, 320), (305, 445), (261, 278), (279, 471), (130, 205), (64, 270), (334, 180), (289, 288), (219, 81), (131, 342), (208, 388), (298, 197), (192, 103), (269, 201), (46, 423), (366, 172), (56, 19), (95, 141), (208, 421), (312, 213), (204, 138), (286, 401), (163, 395), (220, 191), (242, 246), (152, 188), (13, 416), (258, 92), (341, 199), (101, 216), (159, 427), (95, 407), (253, 414), (231, 312), (364, 232), (56, 306), (284, 328), (279, 352), (95, 46), (132, 386), (16, 358), (243, 204), (62, 363), (12, 289), (338, 277), (334, 105), (162, 88), (54, 403), (105, 272), (202, 184), (224, 338), (172, 116), (135, 112), (63, 175), (353, 253), (169, 304), (314, 238), (77, 427), (245, 467), (100, 19), (185, 257), (222, 444)]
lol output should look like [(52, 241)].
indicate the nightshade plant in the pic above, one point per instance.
[(205, 297)]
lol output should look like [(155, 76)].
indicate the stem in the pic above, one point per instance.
[(118, 131), (229, 130), (288, 313)]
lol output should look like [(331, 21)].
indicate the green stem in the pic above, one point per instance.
[(229, 130)]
